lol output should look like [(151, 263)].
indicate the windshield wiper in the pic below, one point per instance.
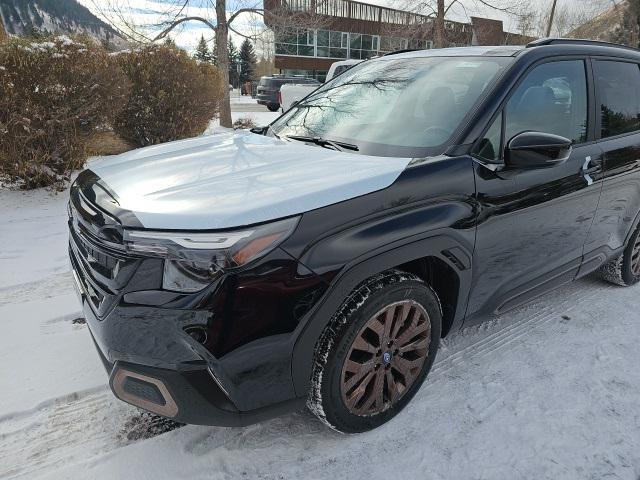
[(323, 142)]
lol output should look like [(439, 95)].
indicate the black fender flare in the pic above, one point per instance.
[(362, 268), (634, 228)]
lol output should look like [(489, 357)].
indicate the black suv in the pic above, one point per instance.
[(229, 278), (269, 88)]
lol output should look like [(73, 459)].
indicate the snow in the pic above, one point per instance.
[(245, 107), (548, 391)]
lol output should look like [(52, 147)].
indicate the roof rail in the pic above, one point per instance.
[(576, 41), (401, 51)]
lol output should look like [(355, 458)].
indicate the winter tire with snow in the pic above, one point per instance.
[(375, 353), (273, 107), (625, 270)]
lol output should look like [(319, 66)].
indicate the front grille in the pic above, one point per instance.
[(97, 253)]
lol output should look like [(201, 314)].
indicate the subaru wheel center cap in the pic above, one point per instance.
[(386, 358)]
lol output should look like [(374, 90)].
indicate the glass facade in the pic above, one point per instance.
[(301, 42), (319, 75)]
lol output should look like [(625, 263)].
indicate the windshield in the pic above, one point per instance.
[(395, 107)]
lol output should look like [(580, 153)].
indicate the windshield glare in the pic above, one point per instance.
[(396, 107)]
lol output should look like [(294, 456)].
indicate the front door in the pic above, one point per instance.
[(533, 224)]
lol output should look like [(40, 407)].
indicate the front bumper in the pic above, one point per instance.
[(187, 393)]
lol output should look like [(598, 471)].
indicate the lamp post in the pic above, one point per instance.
[(553, 14)]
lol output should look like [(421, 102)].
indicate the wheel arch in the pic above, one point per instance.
[(439, 259)]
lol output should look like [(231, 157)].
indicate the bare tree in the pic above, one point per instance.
[(178, 13), (528, 22), (562, 20), (439, 9)]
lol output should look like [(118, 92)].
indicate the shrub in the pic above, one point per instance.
[(172, 96), (54, 92), (244, 124)]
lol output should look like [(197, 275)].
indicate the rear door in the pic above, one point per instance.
[(618, 129), (534, 224)]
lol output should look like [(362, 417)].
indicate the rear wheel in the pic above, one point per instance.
[(375, 353), (273, 107), (625, 270)]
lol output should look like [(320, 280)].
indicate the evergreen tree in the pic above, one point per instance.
[(170, 42), (234, 58), (203, 54), (248, 61)]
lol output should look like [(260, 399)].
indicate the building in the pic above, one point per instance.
[(312, 34)]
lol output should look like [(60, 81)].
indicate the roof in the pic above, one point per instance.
[(484, 51)]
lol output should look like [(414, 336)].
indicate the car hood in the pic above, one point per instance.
[(237, 179)]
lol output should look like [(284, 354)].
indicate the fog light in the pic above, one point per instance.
[(199, 334)]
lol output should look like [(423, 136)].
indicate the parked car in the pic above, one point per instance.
[(291, 93), (269, 88), (230, 278), (338, 68)]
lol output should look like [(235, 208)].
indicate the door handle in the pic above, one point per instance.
[(588, 168)]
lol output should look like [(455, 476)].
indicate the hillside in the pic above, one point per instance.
[(21, 17), (605, 27)]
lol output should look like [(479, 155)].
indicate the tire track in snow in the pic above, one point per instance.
[(518, 326), (49, 287), (76, 428), (71, 429)]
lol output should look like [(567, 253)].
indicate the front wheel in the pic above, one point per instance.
[(273, 107), (625, 270), (375, 353)]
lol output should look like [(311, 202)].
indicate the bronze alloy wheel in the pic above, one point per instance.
[(385, 358), (635, 258)]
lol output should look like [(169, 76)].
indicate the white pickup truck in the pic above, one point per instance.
[(292, 93)]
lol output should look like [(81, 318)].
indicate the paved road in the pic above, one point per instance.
[(248, 107)]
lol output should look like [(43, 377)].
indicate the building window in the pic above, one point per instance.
[(392, 44), (328, 44), (331, 44), (296, 42), (362, 46)]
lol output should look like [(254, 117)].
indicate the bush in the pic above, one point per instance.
[(54, 92), (244, 124), (172, 96)]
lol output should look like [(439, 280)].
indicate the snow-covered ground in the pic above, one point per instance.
[(245, 107), (550, 391)]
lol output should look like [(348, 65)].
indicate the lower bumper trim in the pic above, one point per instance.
[(165, 406)]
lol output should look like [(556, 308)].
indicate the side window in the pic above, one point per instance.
[(489, 147), (619, 96), (552, 99)]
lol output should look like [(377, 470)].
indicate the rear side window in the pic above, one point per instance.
[(619, 97), (552, 99), (341, 69)]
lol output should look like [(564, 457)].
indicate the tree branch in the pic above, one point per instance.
[(175, 23), (235, 14)]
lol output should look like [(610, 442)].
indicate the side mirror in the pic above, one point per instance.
[(529, 150), (259, 130)]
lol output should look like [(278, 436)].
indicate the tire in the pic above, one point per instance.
[(273, 107), (350, 402), (624, 270)]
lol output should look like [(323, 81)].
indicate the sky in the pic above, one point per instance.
[(152, 11)]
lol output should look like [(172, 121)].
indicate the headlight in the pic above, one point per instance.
[(194, 259)]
